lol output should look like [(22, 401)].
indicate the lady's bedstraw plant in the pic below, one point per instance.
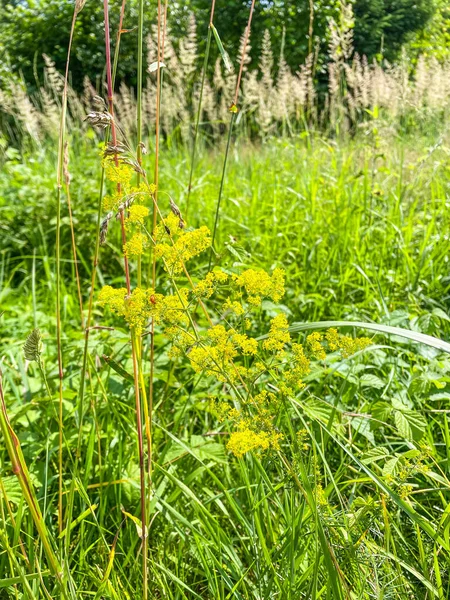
[(257, 375)]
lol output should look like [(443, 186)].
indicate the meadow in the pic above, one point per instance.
[(244, 400)]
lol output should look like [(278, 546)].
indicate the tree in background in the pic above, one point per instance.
[(382, 27), (31, 28)]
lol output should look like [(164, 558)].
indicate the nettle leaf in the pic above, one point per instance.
[(381, 411), (317, 409), (392, 466), (374, 454), (410, 424), (370, 380), (12, 489), (362, 426)]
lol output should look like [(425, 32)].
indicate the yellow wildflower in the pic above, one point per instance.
[(110, 202), (220, 276), (136, 307), (332, 337), (300, 368), (136, 215), (349, 346), (346, 344), (314, 343), (278, 334), (136, 245), (234, 306), (120, 173), (258, 284), (205, 287), (183, 246), (246, 440), (246, 344)]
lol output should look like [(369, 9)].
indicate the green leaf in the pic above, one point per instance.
[(381, 411), (223, 52), (374, 454), (392, 465), (369, 380), (410, 424)]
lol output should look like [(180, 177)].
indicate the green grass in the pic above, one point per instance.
[(362, 233)]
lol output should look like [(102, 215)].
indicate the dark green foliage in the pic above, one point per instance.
[(30, 29), (383, 26)]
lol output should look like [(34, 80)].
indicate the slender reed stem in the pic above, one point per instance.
[(59, 177), (134, 342), (72, 229), (199, 108)]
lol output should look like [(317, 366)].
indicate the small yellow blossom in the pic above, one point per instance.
[(246, 440), (346, 344), (234, 306), (181, 245), (332, 337), (136, 245), (136, 215), (314, 344), (136, 308), (246, 344), (120, 173), (258, 284), (278, 334), (110, 202)]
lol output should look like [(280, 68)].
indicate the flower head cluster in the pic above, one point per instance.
[(315, 347), (137, 214), (278, 334), (144, 304), (136, 245), (216, 354), (207, 286), (117, 173), (136, 308), (258, 285), (346, 344), (247, 440), (176, 246)]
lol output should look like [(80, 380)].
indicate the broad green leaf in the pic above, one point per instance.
[(410, 424), (381, 411), (374, 454), (370, 380)]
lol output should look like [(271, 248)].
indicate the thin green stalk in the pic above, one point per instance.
[(59, 178), (222, 181), (234, 110), (199, 109)]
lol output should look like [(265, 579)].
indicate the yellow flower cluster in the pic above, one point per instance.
[(144, 304), (136, 308), (182, 246), (216, 356), (136, 245), (301, 366), (315, 347), (120, 173), (278, 334), (246, 440), (234, 307), (258, 285), (346, 344), (137, 214), (207, 286)]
